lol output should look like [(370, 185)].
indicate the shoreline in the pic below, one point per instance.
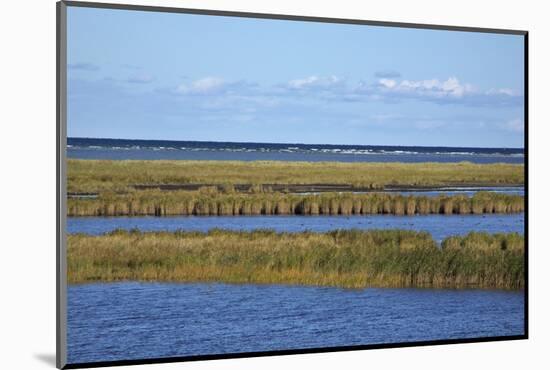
[(471, 287)]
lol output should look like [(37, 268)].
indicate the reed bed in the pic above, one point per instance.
[(344, 258), (209, 202), (120, 176)]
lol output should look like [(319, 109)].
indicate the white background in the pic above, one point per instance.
[(27, 195)]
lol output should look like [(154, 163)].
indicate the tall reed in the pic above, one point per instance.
[(214, 203)]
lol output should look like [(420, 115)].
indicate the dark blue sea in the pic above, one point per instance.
[(91, 148), (134, 320)]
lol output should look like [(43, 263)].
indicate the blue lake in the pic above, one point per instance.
[(440, 226), (132, 320)]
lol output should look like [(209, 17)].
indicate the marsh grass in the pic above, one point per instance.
[(350, 258), (119, 176), (210, 202)]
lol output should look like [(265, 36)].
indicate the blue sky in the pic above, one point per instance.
[(144, 75)]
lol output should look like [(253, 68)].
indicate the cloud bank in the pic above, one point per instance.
[(392, 90)]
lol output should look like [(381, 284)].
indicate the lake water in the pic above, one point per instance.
[(440, 226), (91, 148), (468, 191), (132, 320)]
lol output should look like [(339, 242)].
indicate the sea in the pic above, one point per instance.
[(119, 149)]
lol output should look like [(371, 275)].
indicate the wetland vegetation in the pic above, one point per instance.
[(123, 175), (208, 201), (345, 258)]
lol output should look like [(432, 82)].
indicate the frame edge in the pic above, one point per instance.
[(61, 184), (288, 17)]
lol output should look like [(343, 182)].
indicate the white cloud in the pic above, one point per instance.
[(386, 116), (451, 87), (515, 125), (448, 91), (298, 84), (314, 81), (387, 83), (207, 85), (508, 92), (334, 88)]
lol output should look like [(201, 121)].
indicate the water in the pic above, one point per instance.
[(469, 191), (440, 226), (195, 150), (131, 320), (445, 191)]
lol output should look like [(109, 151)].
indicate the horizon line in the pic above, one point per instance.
[(296, 143)]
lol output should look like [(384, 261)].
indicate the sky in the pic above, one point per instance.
[(147, 75)]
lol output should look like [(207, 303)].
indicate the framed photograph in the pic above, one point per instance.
[(236, 185)]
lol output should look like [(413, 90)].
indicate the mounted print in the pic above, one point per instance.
[(235, 184)]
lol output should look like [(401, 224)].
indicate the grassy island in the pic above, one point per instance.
[(123, 175), (352, 258)]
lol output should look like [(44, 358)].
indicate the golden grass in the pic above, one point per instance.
[(214, 203), (111, 175), (352, 258)]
